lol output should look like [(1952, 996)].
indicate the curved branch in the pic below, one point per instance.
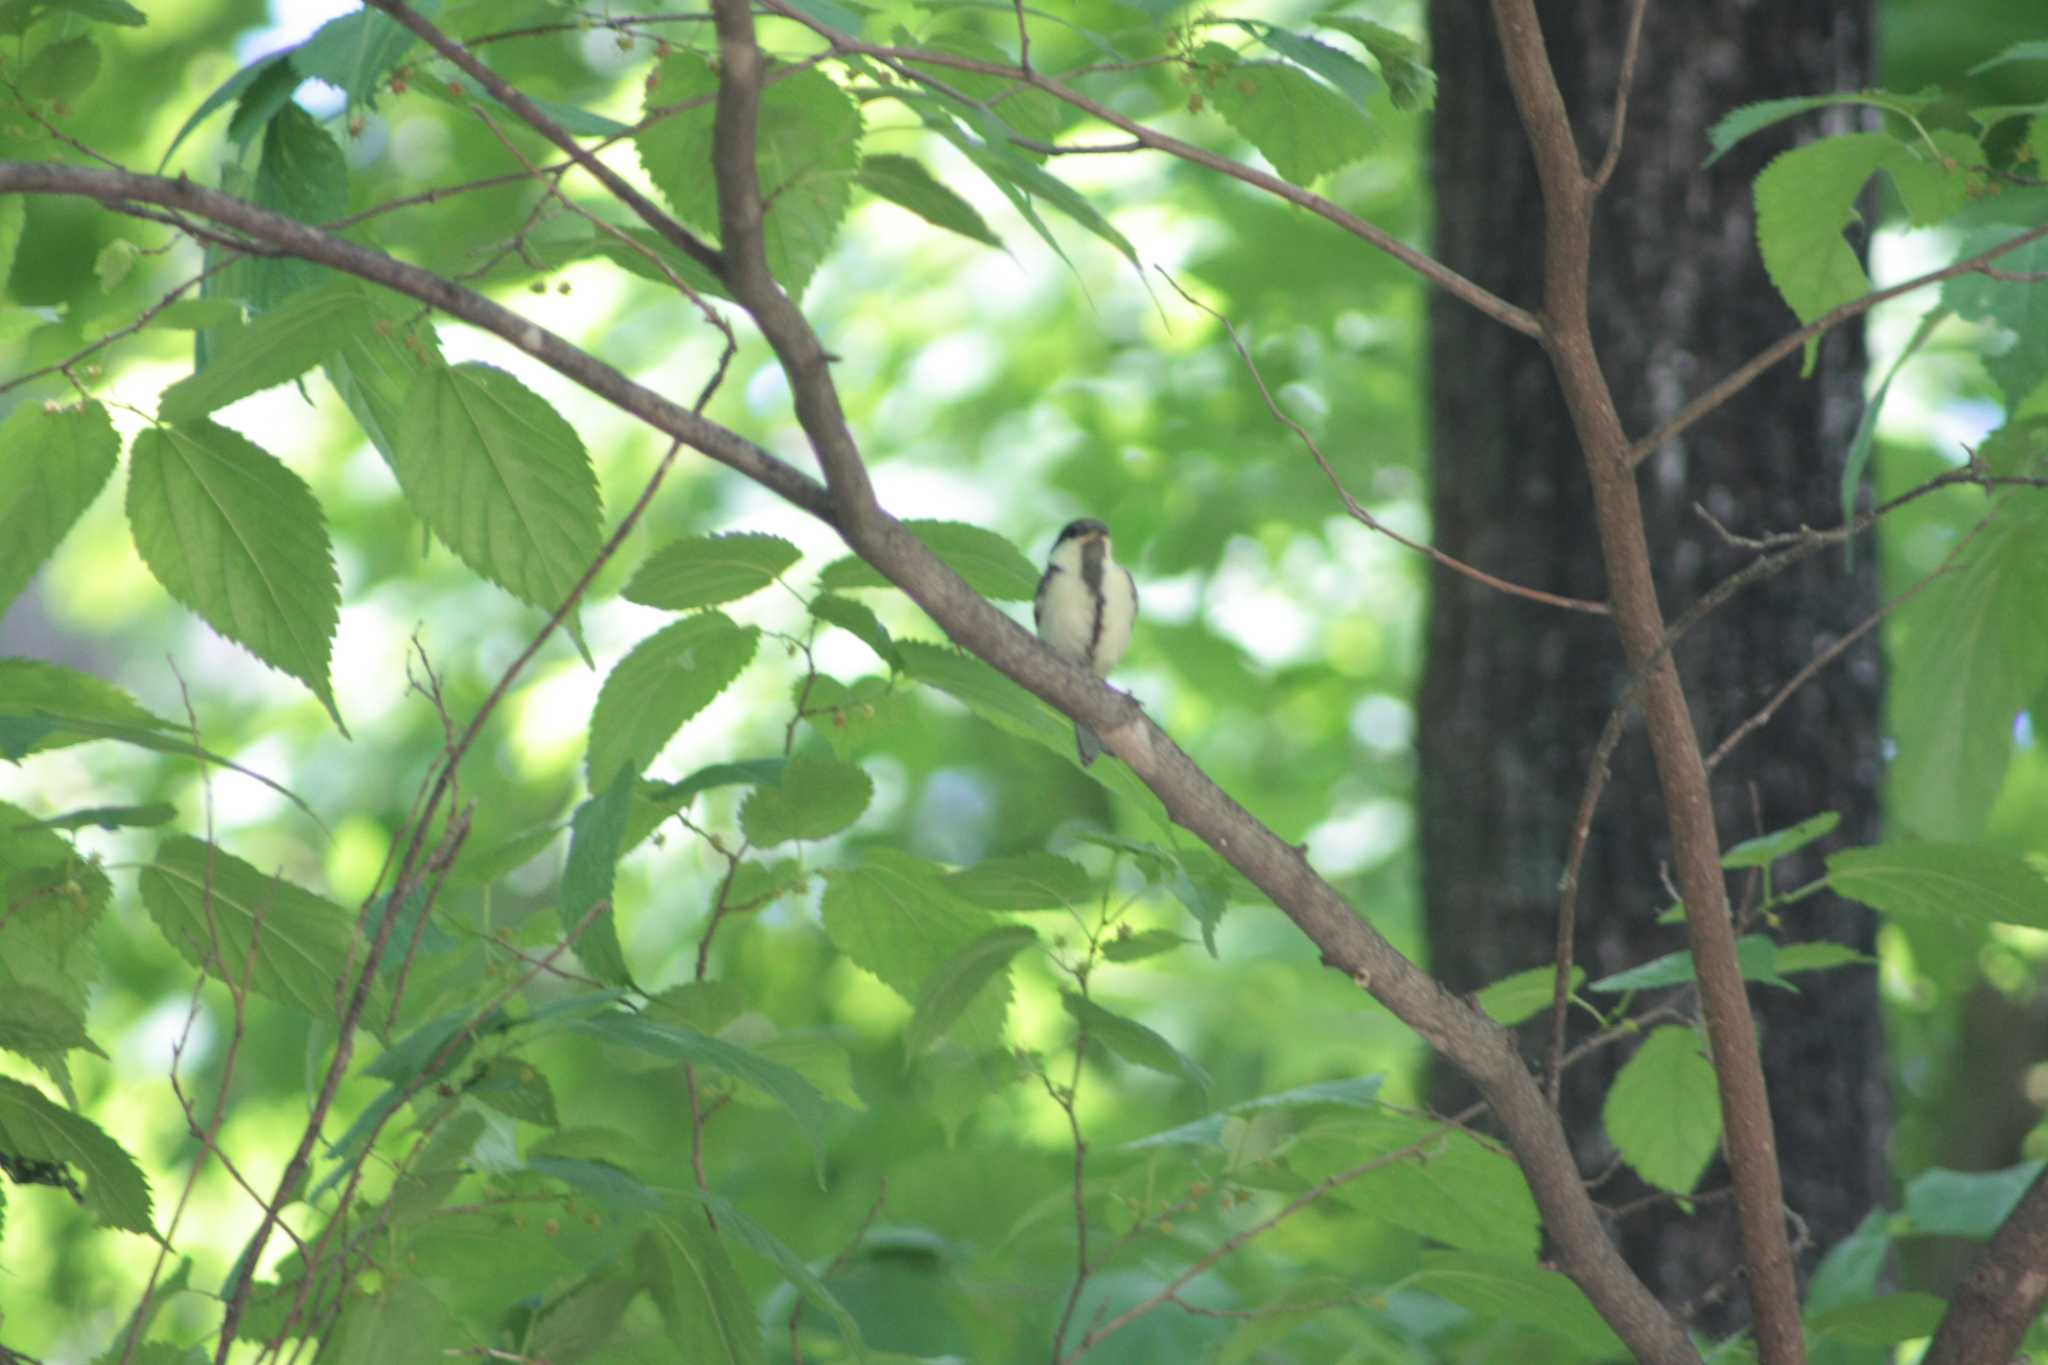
[(1423, 264), (2003, 1293), (121, 190)]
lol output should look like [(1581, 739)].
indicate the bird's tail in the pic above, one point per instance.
[(1087, 742)]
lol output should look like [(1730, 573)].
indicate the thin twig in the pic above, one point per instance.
[(1351, 504), (1626, 79)]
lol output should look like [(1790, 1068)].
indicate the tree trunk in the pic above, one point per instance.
[(1514, 695)]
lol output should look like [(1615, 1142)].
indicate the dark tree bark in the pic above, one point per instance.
[(1514, 695)]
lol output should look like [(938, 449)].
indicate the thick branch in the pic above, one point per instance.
[(2003, 1293), (120, 190), (1568, 196)]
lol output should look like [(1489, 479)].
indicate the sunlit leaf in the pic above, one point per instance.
[(33, 1129), (669, 677), (1297, 123), (56, 460), (952, 986), (1519, 1292), (239, 538), (991, 565), (893, 916), (703, 571), (904, 182), (1663, 1111), (357, 52), (278, 346), (814, 799), (1132, 1041), (1022, 881), (596, 840)]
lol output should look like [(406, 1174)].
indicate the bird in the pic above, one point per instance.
[(1084, 609)]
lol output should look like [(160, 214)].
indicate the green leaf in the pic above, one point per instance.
[(1865, 439), (56, 461), (34, 1129), (675, 1044), (376, 373), (1410, 82), (1756, 954), (1139, 946), (1943, 1203), (707, 1310), (302, 174), (1295, 121), (403, 1320), (954, 985), (112, 817), (991, 565), (502, 479), (904, 182), (669, 677), (1881, 1322), (806, 152), (1818, 956), (239, 538), (199, 315), (658, 801), (227, 90), (104, 11), (596, 840), (734, 1223), (212, 906), (1355, 1092), (2020, 309), (859, 621), (1663, 1112), (1964, 884), (278, 346), (1517, 1292), (1750, 119), (269, 92), (1350, 77), (893, 916), (36, 699), (62, 70), (1022, 881), (1132, 1041), (13, 219), (514, 1088), (1766, 849), (815, 799), (702, 571), (2030, 50), (52, 899), (1806, 196), (356, 52), (1446, 1185), (1973, 651), (1514, 999)]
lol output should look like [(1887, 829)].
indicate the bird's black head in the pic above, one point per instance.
[(1080, 530)]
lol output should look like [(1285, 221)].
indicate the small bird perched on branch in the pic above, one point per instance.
[(1084, 609)]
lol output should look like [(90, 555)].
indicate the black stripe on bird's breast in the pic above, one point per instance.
[(1091, 578)]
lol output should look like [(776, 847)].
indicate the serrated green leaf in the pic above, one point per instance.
[(1132, 1041), (1750, 119), (676, 1044), (858, 620), (270, 91), (240, 539), (516, 1089), (502, 479), (278, 346), (480, 866), (596, 841), (1766, 849), (357, 52), (1295, 121), (1344, 73), (301, 174), (1754, 953), (56, 460), (1806, 196), (1514, 999), (1663, 1112), (1514, 1291), (212, 906), (905, 182), (707, 1310), (2029, 50), (953, 985), (755, 884), (198, 315), (1446, 1185), (376, 373), (1964, 884), (807, 149), (991, 565), (2020, 309), (403, 1320), (33, 1129), (893, 917), (62, 70), (1022, 881), (37, 698), (52, 899), (1410, 82), (1941, 1203), (669, 677), (1139, 946), (658, 801), (815, 799), (703, 571), (1972, 653)]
